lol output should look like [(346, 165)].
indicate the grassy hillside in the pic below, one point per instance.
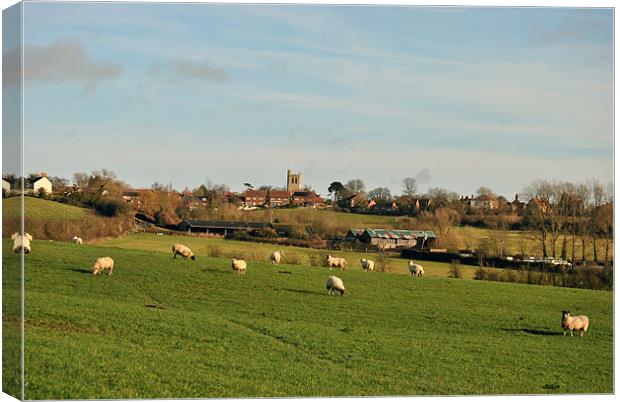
[(171, 328), (39, 208)]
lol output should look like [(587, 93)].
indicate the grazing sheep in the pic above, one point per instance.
[(276, 257), (239, 266), (576, 323), (20, 242), (415, 269), (77, 240), (183, 251), (335, 262), (334, 284), (103, 263), (367, 265)]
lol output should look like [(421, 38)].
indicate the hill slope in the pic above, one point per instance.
[(172, 328), (40, 208)]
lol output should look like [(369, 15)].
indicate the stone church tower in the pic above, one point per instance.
[(293, 181)]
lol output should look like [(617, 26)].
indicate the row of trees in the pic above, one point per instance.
[(572, 212)]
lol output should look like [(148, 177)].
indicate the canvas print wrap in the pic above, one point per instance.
[(245, 200)]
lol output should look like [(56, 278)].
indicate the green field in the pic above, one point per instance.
[(39, 208), (162, 328), (261, 252)]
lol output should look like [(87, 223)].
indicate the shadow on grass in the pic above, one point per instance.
[(82, 270), (533, 331), (217, 271), (308, 292)]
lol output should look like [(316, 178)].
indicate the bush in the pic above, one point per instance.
[(315, 259), (480, 274), (381, 262), (455, 270), (111, 207), (293, 259), (89, 227), (215, 251)]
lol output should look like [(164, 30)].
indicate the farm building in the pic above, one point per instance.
[(384, 238), (218, 227)]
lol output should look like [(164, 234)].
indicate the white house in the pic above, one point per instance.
[(6, 187), (42, 183)]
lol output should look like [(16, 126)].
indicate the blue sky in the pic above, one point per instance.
[(182, 93)]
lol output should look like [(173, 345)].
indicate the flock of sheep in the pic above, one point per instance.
[(334, 284)]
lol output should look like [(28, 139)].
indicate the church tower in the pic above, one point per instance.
[(293, 181)]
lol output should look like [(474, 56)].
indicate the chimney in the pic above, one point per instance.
[(517, 197)]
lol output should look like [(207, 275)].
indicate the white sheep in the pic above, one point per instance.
[(103, 263), (576, 323), (20, 242), (183, 251), (415, 269), (334, 284), (367, 265), (77, 240), (335, 262), (276, 257), (239, 266)]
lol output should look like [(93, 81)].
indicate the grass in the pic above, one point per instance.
[(164, 328), (261, 252), (40, 208)]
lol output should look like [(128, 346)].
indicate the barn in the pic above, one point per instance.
[(391, 239), (218, 227)]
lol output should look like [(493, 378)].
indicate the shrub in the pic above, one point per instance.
[(215, 251), (315, 259), (381, 262), (293, 258), (455, 270), (480, 274), (111, 207)]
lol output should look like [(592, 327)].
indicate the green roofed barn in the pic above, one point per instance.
[(390, 239)]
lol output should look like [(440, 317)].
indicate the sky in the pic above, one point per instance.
[(184, 93)]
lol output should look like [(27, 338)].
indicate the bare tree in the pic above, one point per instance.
[(355, 186), (410, 187), (485, 191), (597, 192)]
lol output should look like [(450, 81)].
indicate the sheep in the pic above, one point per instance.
[(77, 240), (367, 265), (576, 323), (103, 263), (334, 284), (20, 242), (239, 266), (415, 269), (183, 251), (335, 262), (276, 257)]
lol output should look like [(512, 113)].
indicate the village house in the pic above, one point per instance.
[(422, 204), (516, 205), (541, 204), (37, 183), (10, 185), (279, 198), (306, 199), (484, 201), (254, 198)]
